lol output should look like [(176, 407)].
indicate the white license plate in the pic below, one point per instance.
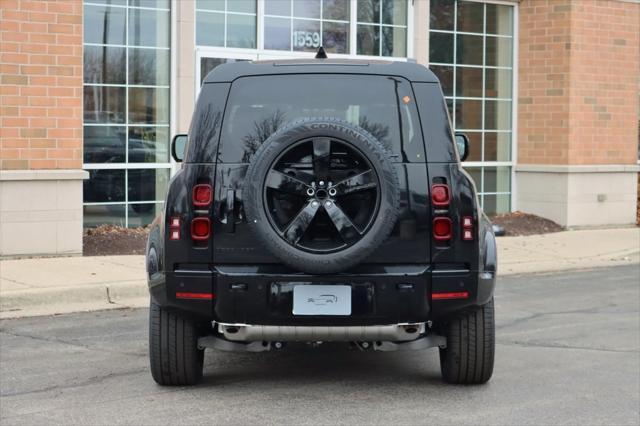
[(322, 300)]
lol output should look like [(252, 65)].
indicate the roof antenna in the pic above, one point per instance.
[(321, 53)]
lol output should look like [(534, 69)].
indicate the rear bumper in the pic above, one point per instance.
[(263, 295)]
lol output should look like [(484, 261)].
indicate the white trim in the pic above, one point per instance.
[(410, 30), (121, 203), (589, 168), (220, 12), (299, 18), (480, 130), (126, 118), (124, 125), (487, 164), (173, 82), (446, 64), (124, 46), (470, 33), (122, 6), (260, 24), (140, 86), (513, 152), (479, 98), (125, 166), (63, 174), (503, 2), (353, 28)]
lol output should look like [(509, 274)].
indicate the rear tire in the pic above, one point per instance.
[(469, 355), (173, 348)]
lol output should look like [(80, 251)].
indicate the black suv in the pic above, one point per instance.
[(321, 200)]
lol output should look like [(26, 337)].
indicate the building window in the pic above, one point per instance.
[(226, 23), (471, 52), (306, 25), (126, 110), (382, 27)]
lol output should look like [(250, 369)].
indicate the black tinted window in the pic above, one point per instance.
[(258, 106)]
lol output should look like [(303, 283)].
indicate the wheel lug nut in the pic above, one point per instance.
[(321, 183), (332, 192), (314, 204), (310, 192), (327, 204)]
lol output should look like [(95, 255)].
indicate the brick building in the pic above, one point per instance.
[(91, 92)]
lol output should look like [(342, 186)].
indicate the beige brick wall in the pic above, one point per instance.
[(40, 84), (579, 64)]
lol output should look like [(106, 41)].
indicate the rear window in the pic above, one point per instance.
[(258, 106)]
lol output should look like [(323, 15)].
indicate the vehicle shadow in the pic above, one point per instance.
[(300, 364)]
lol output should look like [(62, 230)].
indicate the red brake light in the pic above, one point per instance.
[(194, 296), (442, 228), (440, 195), (200, 228), (452, 295), (202, 195)]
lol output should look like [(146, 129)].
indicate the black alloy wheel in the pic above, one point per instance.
[(321, 194)]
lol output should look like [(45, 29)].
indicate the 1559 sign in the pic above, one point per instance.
[(306, 39)]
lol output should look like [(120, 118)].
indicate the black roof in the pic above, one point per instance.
[(409, 70)]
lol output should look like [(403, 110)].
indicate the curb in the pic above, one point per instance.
[(62, 300), (134, 293)]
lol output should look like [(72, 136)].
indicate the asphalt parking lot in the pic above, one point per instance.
[(568, 352)]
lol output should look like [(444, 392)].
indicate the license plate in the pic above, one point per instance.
[(322, 300)]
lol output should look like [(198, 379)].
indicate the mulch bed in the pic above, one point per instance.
[(107, 240), (519, 223)]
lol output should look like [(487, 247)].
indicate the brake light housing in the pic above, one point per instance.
[(174, 228), (467, 228), (202, 195), (200, 229), (440, 195), (442, 228)]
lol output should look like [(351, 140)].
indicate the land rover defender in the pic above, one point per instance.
[(321, 200)]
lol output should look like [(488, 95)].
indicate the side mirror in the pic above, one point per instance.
[(462, 143), (178, 144)]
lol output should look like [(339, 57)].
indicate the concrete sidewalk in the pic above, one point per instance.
[(46, 286)]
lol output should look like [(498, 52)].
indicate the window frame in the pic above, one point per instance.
[(513, 154), (125, 166), (262, 53)]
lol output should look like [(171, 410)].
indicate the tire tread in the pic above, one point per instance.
[(470, 352), (174, 356)]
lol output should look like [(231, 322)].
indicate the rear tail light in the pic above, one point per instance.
[(440, 195), (467, 228), (200, 228), (174, 228), (442, 228), (194, 296), (450, 295), (202, 195)]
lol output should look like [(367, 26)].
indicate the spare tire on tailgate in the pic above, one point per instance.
[(321, 194)]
